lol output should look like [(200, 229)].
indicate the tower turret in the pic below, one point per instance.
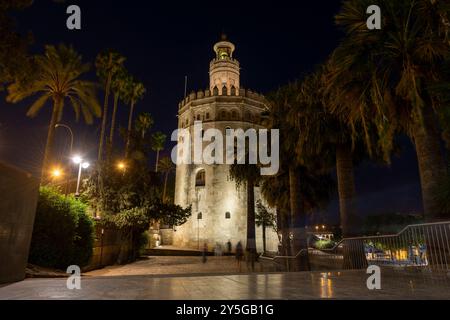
[(224, 71)]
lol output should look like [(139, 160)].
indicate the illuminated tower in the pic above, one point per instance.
[(219, 209)]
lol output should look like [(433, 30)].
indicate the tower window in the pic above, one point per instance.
[(227, 215), (215, 91), (233, 90), (234, 115), (198, 117), (207, 116), (200, 179), (199, 216), (223, 115)]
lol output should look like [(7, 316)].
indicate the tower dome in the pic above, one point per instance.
[(224, 71)]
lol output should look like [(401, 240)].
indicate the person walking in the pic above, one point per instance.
[(229, 247), (205, 253), (239, 254)]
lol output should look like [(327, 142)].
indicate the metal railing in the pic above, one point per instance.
[(421, 246)]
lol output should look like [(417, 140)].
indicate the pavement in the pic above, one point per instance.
[(145, 280)]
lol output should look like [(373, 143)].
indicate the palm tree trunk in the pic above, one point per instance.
[(130, 126), (104, 116), (298, 223), (431, 162), (353, 252), (113, 124), (264, 237), (251, 228), (157, 160), (346, 189), (285, 240), (165, 186), (57, 106)]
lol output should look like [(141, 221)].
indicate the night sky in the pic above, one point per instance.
[(276, 41)]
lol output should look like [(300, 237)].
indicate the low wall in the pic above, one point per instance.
[(18, 200), (107, 247)]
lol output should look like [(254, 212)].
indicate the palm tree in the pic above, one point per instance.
[(158, 141), (135, 91), (144, 122), (275, 190), (166, 166), (108, 63), (264, 219), (398, 64), (281, 102), (248, 175), (119, 82), (58, 79)]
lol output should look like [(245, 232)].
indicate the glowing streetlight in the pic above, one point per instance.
[(56, 173), (121, 166), (81, 165)]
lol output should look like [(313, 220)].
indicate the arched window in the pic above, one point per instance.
[(233, 90), (207, 116), (224, 91), (223, 115), (198, 117), (234, 115), (200, 179), (215, 91), (248, 116), (227, 215), (199, 216)]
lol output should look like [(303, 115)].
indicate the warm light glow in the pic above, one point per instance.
[(56, 173), (77, 159), (85, 165), (323, 227), (317, 227), (121, 166)]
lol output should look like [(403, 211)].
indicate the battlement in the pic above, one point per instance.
[(243, 93)]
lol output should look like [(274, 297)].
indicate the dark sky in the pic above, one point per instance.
[(276, 41)]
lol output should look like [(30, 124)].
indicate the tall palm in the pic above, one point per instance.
[(281, 102), (135, 91), (398, 64), (118, 85), (58, 79), (144, 122), (166, 166), (158, 141), (248, 175), (108, 63)]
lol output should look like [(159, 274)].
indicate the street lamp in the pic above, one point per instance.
[(81, 165)]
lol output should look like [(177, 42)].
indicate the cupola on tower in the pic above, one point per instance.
[(224, 69)]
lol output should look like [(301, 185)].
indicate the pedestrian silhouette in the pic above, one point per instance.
[(205, 253), (239, 254), (229, 247)]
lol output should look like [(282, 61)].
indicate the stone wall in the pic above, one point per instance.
[(18, 199)]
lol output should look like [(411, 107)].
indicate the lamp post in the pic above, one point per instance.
[(81, 165), (60, 125)]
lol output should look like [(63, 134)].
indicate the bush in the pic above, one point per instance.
[(324, 244), (63, 233)]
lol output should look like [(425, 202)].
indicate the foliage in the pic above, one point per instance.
[(324, 244), (63, 232), (56, 77), (265, 217)]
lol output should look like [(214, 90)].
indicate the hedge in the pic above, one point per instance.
[(63, 233)]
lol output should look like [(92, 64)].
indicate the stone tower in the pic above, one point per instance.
[(218, 207)]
